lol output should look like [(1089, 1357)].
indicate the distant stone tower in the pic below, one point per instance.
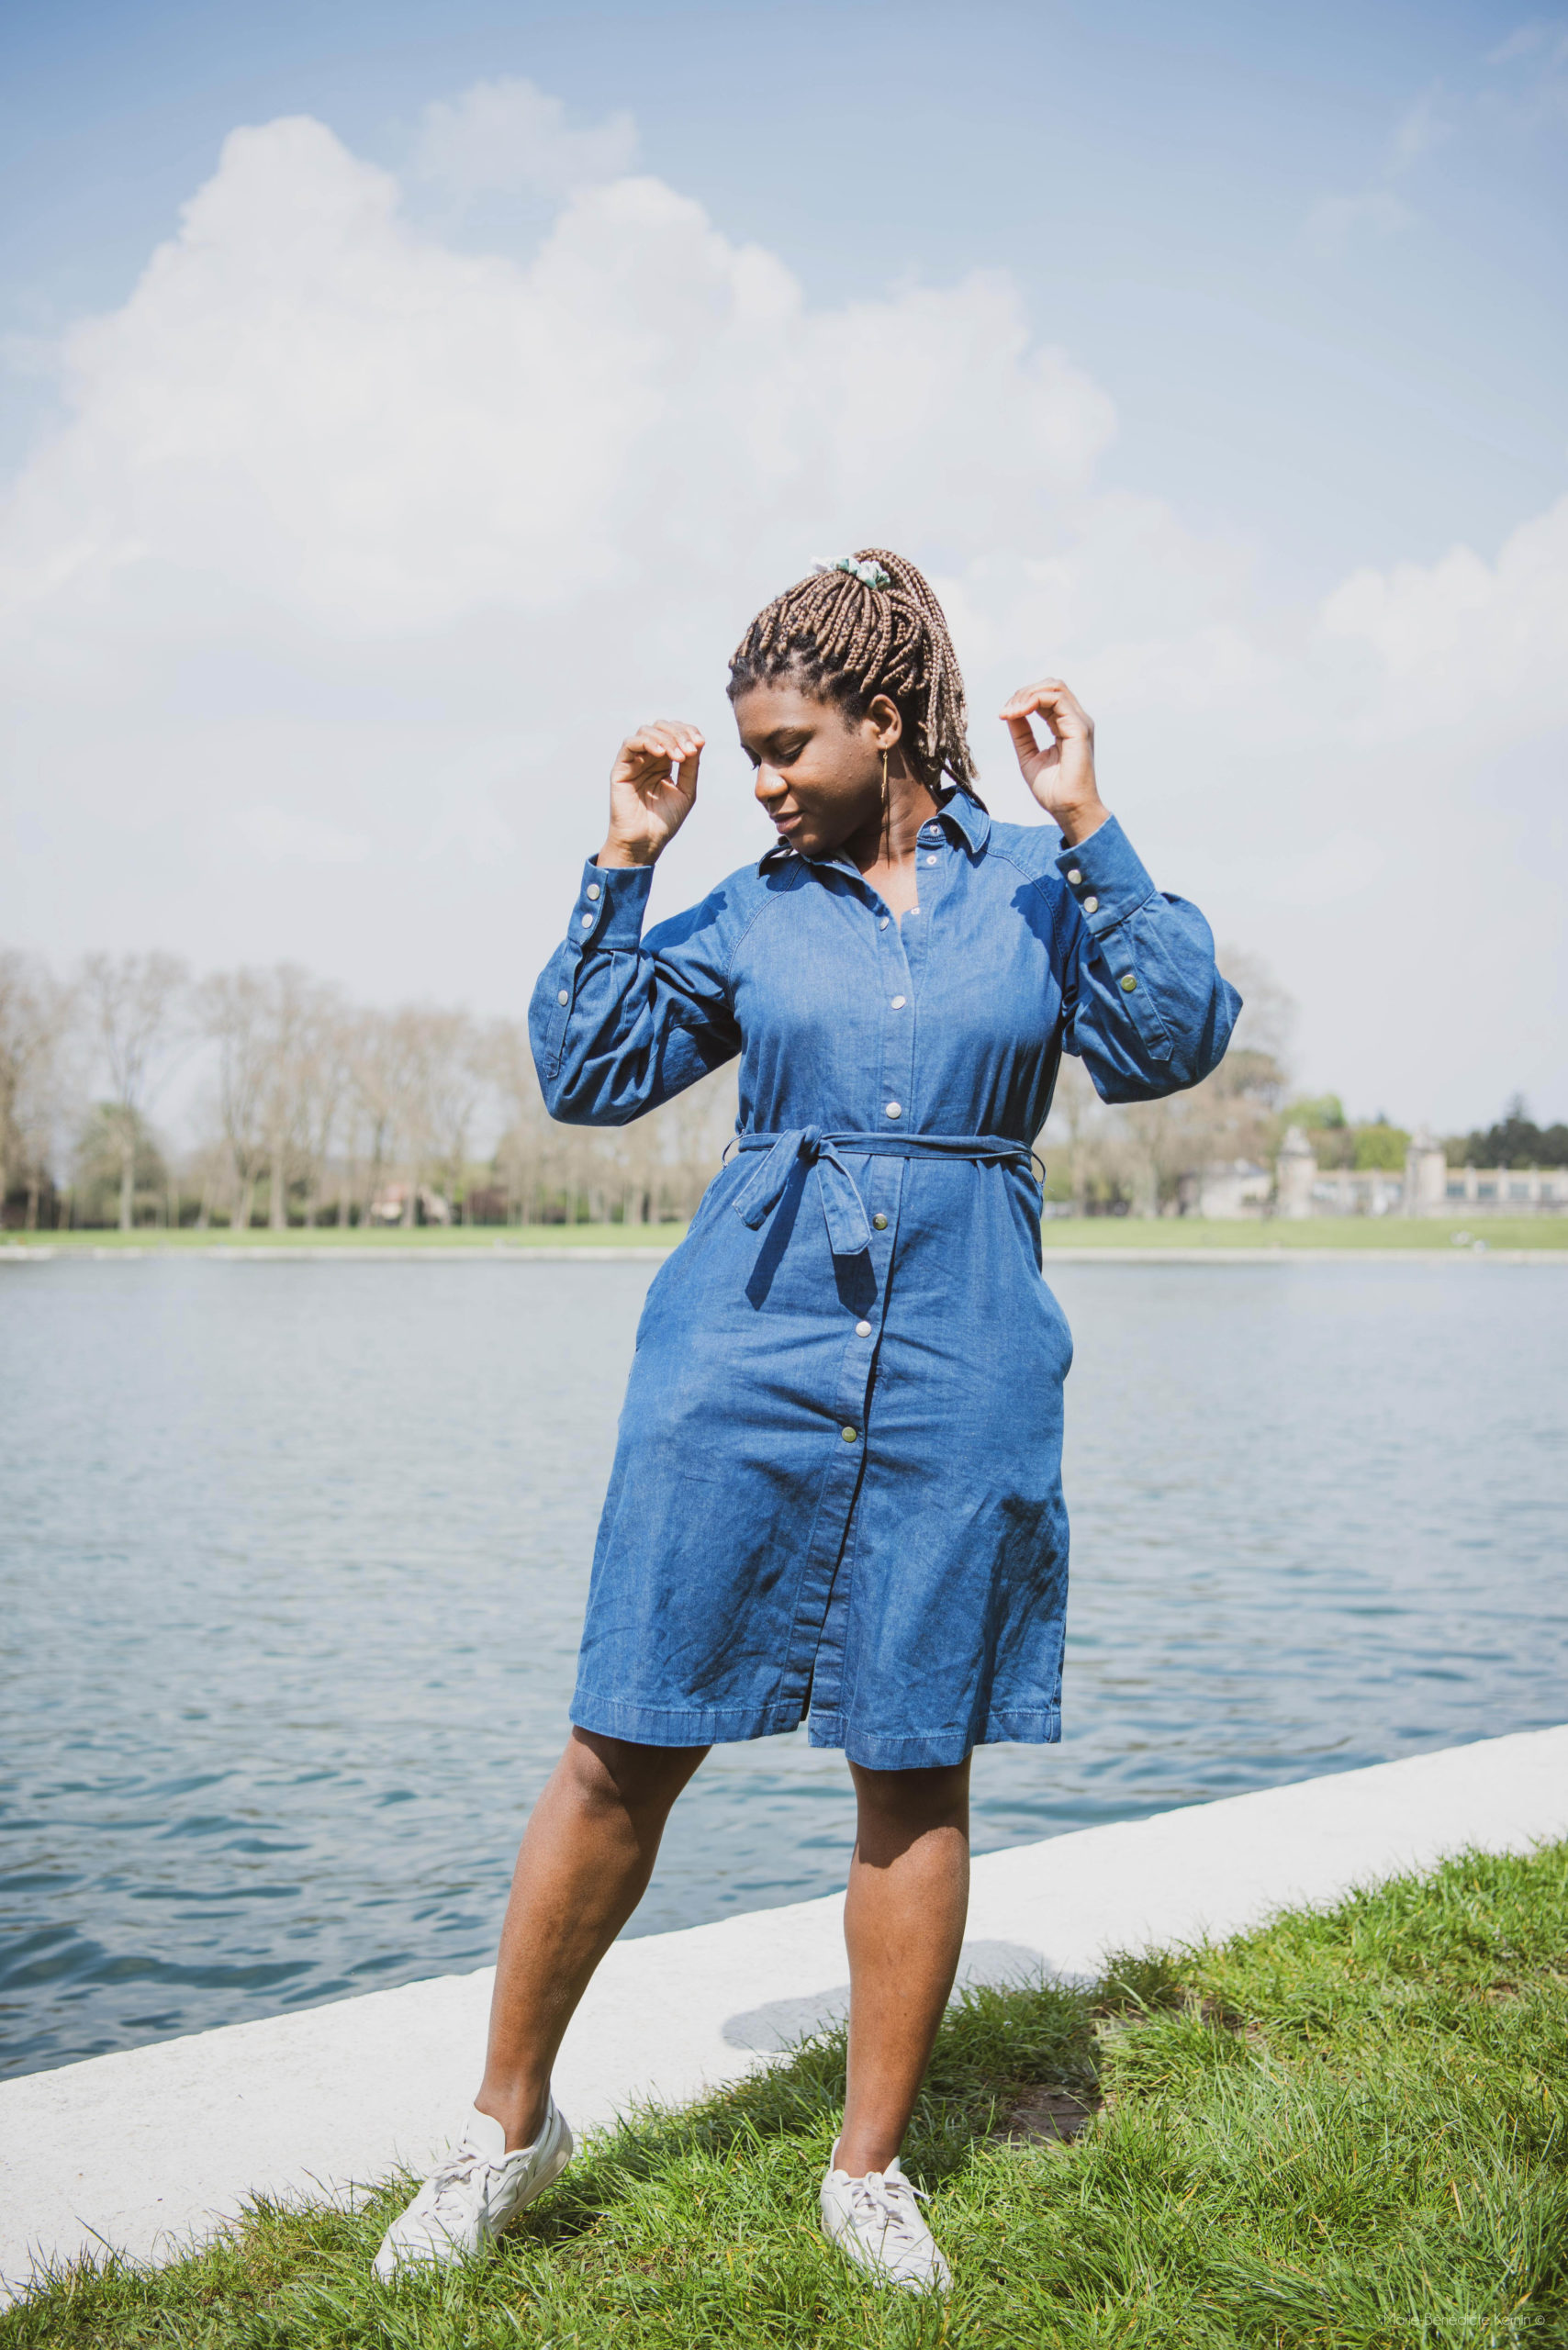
[(1426, 1176), (1295, 1171)]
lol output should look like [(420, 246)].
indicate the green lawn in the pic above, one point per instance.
[(1314, 1232), (483, 1237), (1066, 1232), (1347, 2131)]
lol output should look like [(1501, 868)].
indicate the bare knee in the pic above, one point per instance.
[(896, 1807), (613, 1776)]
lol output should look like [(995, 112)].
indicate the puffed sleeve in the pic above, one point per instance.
[(1146, 1009), (619, 1023)]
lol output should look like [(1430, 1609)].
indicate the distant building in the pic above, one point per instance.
[(1295, 1172), (1505, 1191), (1426, 1175), (1229, 1189), (1352, 1191), (1429, 1186)]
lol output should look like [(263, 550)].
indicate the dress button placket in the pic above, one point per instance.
[(883, 1177), (898, 1034)]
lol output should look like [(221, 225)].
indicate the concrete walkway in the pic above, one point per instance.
[(146, 2150)]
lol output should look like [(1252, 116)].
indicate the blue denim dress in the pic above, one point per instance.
[(837, 1486)]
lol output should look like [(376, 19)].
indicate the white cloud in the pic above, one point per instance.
[(1461, 639), (1535, 96), (1421, 127), (511, 138), (1545, 39), (307, 397), (1335, 219), (354, 553)]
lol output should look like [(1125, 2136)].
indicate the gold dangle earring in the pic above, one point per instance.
[(887, 827)]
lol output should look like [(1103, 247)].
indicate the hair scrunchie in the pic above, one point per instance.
[(870, 575)]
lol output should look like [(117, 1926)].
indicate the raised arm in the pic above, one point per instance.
[(619, 1024), (1146, 1008)]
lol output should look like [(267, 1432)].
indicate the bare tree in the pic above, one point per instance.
[(235, 1016), (304, 1067), (452, 1084), (209, 1173), (323, 1076), (378, 1077), (1076, 1113), (286, 1017), (528, 1140), (687, 1139), (36, 1013), (136, 1005)]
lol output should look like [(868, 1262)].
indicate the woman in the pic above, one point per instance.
[(837, 1489)]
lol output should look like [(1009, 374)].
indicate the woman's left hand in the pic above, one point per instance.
[(1061, 772)]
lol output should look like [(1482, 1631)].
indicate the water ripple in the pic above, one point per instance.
[(295, 1560)]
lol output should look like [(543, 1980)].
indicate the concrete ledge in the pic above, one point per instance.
[(146, 2150)]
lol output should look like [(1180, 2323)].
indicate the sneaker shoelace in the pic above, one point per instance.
[(875, 2197), (455, 2174)]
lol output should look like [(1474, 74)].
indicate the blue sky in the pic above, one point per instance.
[(1311, 260)]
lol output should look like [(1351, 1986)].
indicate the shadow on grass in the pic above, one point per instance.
[(997, 2049)]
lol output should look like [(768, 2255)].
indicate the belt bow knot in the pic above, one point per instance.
[(848, 1231), (843, 1210)]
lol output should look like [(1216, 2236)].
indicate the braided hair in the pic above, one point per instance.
[(867, 626)]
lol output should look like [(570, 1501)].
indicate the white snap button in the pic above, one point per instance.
[(899, 1002), (1091, 905), (564, 996), (593, 888), (930, 860), (895, 1109), (588, 921), (1074, 876), (862, 1329), (882, 921), (849, 1435)]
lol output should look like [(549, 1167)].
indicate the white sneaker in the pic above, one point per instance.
[(876, 2222), (473, 2194)]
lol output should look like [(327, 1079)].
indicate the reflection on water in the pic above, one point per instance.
[(293, 1558)]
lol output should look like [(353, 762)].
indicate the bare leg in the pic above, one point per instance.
[(586, 1860), (903, 1920)]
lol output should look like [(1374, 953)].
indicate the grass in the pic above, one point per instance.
[(1348, 2131), (485, 1237), (1110, 1233)]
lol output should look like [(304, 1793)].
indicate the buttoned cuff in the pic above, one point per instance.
[(1107, 877), (611, 901)]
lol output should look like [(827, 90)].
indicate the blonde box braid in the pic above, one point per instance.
[(868, 625)]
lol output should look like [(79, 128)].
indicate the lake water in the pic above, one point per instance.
[(294, 1557)]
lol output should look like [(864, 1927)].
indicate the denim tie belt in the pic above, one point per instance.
[(843, 1210)]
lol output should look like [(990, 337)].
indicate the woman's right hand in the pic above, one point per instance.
[(652, 786)]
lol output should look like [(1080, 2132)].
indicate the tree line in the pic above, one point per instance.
[(299, 1106), (303, 1107), (1514, 1141)]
